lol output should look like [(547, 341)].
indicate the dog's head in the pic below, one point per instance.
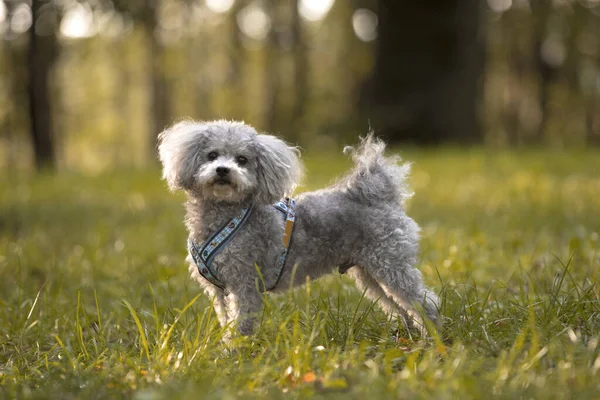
[(227, 161)]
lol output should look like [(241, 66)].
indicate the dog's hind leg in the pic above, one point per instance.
[(374, 292), (404, 284), (392, 267)]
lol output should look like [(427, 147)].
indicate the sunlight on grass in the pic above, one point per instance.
[(96, 301)]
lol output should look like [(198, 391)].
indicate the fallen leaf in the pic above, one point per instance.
[(309, 377)]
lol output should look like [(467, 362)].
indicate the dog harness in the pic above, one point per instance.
[(204, 255)]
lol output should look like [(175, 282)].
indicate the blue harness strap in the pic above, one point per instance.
[(205, 254), (288, 208)]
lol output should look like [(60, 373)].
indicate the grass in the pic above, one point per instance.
[(95, 300)]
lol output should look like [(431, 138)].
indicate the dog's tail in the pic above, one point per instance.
[(376, 179)]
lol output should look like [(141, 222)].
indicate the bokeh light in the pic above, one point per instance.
[(254, 22), (500, 6), (364, 23), (78, 22), (2, 11), (113, 25), (314, 10), (553, 51), (219, 6), (21, 18)]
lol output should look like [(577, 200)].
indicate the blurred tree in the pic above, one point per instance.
[(146, 14), (584, 65), (272, 70), (592, 92), (236, 60), (518, 60), (426, 83), (300, 68), (43, 52), (547, 63), (519, 52), (15, 77)]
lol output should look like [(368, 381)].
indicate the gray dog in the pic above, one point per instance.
[(233, 176)]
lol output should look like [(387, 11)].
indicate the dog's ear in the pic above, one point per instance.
[(179, 151), (279, 168)]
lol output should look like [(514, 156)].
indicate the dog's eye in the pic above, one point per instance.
[(213, 155), (241, 160)]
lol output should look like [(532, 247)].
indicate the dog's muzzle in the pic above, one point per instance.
[(222, 176)]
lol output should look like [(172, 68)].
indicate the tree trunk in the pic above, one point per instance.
[(236, 53), (592, 132), (121, 61), (202, 88), (545, 71), (17, 118), (592, 137), (272, 81), (41, 56), (300, 70), (512, 119), (426, 83), (159, 97)]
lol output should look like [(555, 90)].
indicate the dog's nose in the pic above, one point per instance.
[(222, 171)]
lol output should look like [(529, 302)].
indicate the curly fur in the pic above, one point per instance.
[(358, 222)]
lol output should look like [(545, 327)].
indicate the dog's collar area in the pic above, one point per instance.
[(204, 255)]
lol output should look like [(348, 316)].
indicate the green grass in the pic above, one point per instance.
[(96, 302)]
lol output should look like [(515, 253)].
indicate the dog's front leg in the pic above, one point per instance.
[(243, 305), (217, 296)]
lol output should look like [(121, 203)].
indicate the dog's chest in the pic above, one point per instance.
[(255, 247)]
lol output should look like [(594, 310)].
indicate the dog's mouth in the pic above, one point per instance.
[(222, 182), (223, 189)]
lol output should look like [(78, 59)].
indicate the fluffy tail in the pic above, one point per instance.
[(376, 179)]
